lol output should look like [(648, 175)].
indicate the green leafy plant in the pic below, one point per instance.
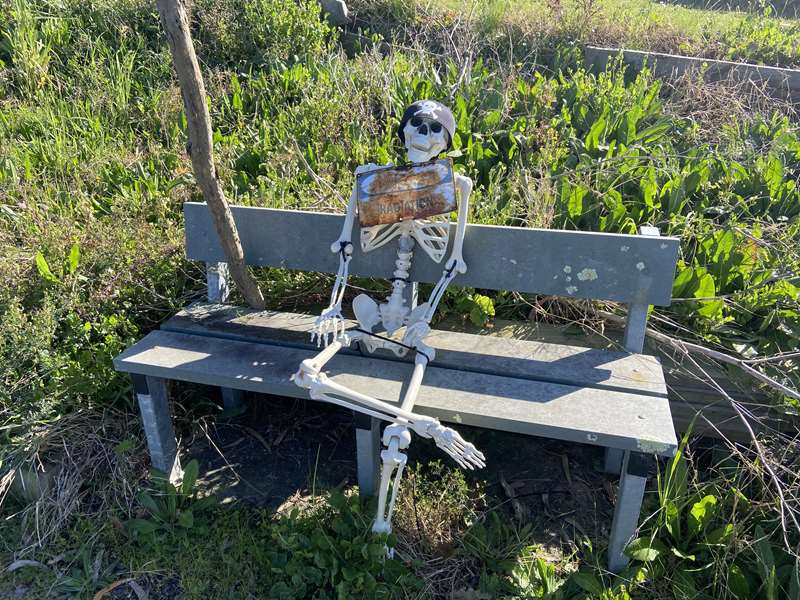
[(336, 552), (169, 506), (700, 529), (760, 39)]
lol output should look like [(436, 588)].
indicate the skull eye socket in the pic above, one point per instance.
[(418, 121)]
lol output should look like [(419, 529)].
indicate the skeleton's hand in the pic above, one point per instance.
[(461, 451), (329, 326)]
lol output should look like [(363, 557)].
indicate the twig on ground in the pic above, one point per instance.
[(689, 347)]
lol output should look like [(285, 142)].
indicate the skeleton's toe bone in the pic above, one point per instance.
[(464, 453)]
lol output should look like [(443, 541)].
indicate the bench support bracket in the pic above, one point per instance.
[(368, 440), (232, 400), (632, 482), (612, 461), (153, 397)]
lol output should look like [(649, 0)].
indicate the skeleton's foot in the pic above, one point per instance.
[(460, 450)]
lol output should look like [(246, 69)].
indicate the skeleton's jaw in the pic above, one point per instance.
[(421, 148), (415, 154)]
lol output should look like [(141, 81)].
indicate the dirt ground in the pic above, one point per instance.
[(280, 447)]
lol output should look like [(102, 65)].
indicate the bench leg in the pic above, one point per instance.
[(153, 397), (612, 463), (629, 505), (232, 400), (368, 452)]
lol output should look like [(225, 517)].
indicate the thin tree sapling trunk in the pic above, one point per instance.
[(176, 27)]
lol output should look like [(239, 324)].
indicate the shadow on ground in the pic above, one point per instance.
[(280, 448)]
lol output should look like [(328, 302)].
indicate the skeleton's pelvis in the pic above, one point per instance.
[(394, 194)]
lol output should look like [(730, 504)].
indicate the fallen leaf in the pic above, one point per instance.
[(257, 436), (137, 589), (110, 588), (21, 564), (515, 504), (565, 466), (576, 525)]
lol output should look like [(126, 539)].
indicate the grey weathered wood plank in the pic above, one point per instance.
[(687, 396), (606, 418), (601, 266), (559, 363)]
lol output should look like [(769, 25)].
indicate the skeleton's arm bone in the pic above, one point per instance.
[(345, 249), (465, 191), (330, 325), (347, 228), (456, 262)]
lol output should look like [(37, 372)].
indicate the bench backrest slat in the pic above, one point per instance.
[(601, 266)]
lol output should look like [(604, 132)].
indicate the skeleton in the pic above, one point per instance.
[(426, 132)]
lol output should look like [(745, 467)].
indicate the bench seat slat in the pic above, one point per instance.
[(523, 359), (636, 269), (607, 418)]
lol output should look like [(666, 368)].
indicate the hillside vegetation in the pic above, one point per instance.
[(768, 33), (93, 173)]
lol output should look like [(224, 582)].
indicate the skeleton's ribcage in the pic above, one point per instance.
[(431, 235)]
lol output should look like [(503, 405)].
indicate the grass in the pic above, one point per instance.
[(93, 172), (658, 26)]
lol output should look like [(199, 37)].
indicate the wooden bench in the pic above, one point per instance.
[(613, 399)]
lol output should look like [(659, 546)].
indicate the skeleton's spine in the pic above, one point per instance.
[(405, 253)]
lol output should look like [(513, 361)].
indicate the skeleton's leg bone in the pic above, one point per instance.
[(312, 366), (395, 438), (322, 388), (317, 363), (410, 397)]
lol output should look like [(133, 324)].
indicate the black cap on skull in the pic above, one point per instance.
[(430, 109)]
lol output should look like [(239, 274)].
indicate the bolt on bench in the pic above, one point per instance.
[(616, 400)]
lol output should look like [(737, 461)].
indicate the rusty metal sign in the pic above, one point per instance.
[(393, 194)]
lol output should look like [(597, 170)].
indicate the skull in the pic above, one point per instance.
[(424, 139)]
